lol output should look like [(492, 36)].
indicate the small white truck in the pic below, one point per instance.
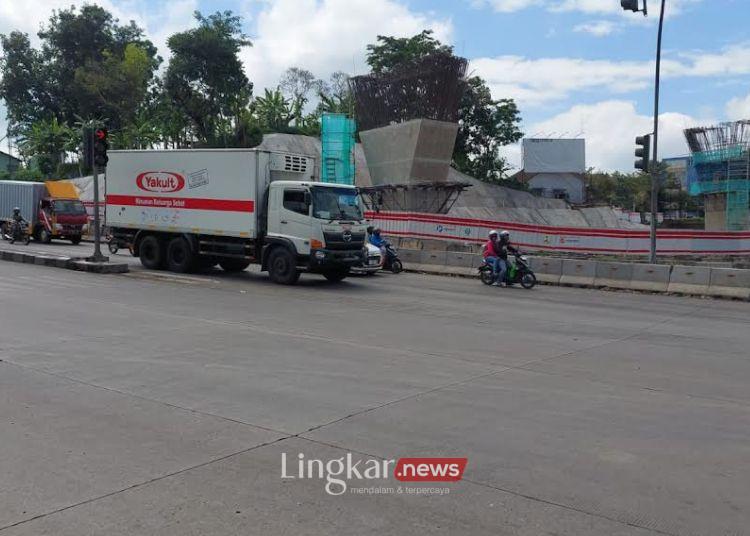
[(187, 209)]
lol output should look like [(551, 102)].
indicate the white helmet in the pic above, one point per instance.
[(492, 232), (504, 234)]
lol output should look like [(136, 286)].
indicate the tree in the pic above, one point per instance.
[(205, 78), (336, 96), (296, 84), (89, 66), (273, 111), (390, 52), (485, 124), (44, 143)]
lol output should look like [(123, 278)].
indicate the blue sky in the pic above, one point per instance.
[(576, 67)]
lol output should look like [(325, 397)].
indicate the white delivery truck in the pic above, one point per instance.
[(185, 209)]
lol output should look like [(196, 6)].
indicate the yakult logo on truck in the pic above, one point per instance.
[(160, 181)]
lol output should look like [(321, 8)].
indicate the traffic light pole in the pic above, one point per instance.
[(98, 257), (654, 161)]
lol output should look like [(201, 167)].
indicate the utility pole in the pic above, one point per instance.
[(632, 5)]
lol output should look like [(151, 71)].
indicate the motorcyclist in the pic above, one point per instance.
[(503, 249), (18, 222), (492, 257), (377, 240)]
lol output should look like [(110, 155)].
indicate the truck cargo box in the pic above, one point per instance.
[(22, 194), (200, 191)]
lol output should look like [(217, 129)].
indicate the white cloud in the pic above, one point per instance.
[(327, 35), (598, 28), (537, 81), (590, 7), (738, 108), (610, 128)]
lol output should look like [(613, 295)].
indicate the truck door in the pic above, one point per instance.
[(294, 218)]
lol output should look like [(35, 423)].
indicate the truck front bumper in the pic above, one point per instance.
[(325, 259)]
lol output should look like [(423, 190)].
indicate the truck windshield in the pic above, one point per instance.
[(336, 203), (69, 206)]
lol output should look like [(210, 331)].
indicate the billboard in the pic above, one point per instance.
[(542, 155)]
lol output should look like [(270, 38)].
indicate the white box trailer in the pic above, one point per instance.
[(183, 209)]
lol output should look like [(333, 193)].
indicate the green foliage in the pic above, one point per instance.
[(205, 79), (88, 66), (44, 142), (390, 52), (486, 124)]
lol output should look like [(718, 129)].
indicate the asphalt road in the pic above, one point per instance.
[(147, 403)]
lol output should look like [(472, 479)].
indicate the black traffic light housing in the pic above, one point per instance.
[(100, 147), (633, 5), (643, 152)]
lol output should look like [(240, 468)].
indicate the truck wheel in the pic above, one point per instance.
[(180, 257), (151, 252), (44, 236), (282, 267), (75, 240), (234, 265), (336, 275)]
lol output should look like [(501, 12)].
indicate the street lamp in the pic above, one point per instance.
[(633, 5)]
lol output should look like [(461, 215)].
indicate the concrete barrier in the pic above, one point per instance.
[(433, 257), (689, 280), (730, 283), (410, 256), (547, 269), (459, 258), (578, 272), (613, 274), (63, 262), (651, 277)]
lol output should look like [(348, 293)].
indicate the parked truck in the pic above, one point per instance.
[(52, 208), (183, 210)]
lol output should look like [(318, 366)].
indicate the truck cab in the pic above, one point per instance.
[(322, 223), (60, 217)]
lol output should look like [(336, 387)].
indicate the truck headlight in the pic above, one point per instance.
[(320, 255)]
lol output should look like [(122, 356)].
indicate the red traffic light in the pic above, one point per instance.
[(101, 134)]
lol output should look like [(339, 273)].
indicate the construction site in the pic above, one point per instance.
[(719, 171)]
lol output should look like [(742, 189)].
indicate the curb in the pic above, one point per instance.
[(67, 263)]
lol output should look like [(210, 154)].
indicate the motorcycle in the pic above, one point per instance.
[(392, 262), (518, 272), (18, 232)]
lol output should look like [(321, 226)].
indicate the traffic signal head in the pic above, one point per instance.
[(100, 147), (630, 5), (643, 152)]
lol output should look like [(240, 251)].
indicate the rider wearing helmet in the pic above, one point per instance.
[(492, 257), (505, 247), (17, 217), (377, 240)]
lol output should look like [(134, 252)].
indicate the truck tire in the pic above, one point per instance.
[(151, 252), (282, 267), (336, 275), (44, 236), (234, 265), (75, 240), (180, 257)]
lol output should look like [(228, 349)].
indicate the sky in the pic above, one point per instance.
[(576, 68)]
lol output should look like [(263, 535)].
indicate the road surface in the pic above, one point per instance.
[(148, 403)]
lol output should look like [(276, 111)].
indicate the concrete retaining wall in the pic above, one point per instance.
[(729, 282), (613, 274), (578, 272), (689, 280), (651, 277), (693, 280)]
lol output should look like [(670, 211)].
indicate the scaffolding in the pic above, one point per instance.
[(720, 166), (337, 146)]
